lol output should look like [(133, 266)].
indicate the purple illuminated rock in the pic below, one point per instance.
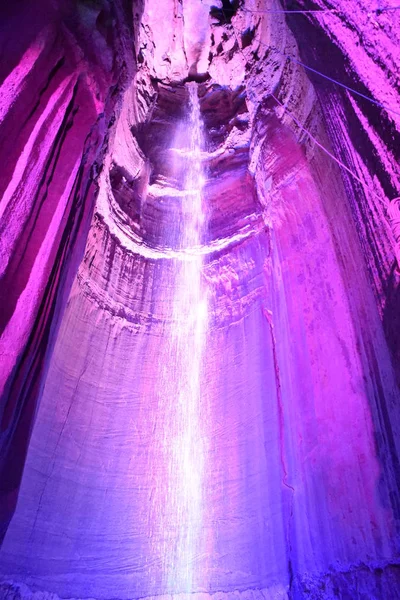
[(59, 79), (299, 382)]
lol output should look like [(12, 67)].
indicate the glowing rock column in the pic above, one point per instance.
[(184, 442)]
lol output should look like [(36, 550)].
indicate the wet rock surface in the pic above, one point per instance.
[(300, 393)]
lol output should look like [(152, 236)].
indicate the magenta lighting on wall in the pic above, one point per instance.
[(199, 300)]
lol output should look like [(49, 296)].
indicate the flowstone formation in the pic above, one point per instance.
[(199, 232)]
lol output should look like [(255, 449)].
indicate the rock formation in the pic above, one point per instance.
[(299, 378)]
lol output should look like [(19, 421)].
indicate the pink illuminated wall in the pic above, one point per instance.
[(198, 300)]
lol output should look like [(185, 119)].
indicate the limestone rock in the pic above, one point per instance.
[(300, 395)]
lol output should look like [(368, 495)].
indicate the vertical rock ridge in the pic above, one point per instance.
[(58, 118), (299, 396)]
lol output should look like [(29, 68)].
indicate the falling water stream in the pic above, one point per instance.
[(184, 440)]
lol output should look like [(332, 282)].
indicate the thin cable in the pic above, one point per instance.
[(343, 85), (310, 135), (321, 10), (293, 59)]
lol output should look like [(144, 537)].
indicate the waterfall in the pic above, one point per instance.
[(184, 440)]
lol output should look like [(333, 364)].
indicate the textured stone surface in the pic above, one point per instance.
[(299, 397), (59, 78)]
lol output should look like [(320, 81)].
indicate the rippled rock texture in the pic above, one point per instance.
[(62, 71), (299, 420)]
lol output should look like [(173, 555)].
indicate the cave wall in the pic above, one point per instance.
[(63, 69), (300, 394), (358, 48)]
